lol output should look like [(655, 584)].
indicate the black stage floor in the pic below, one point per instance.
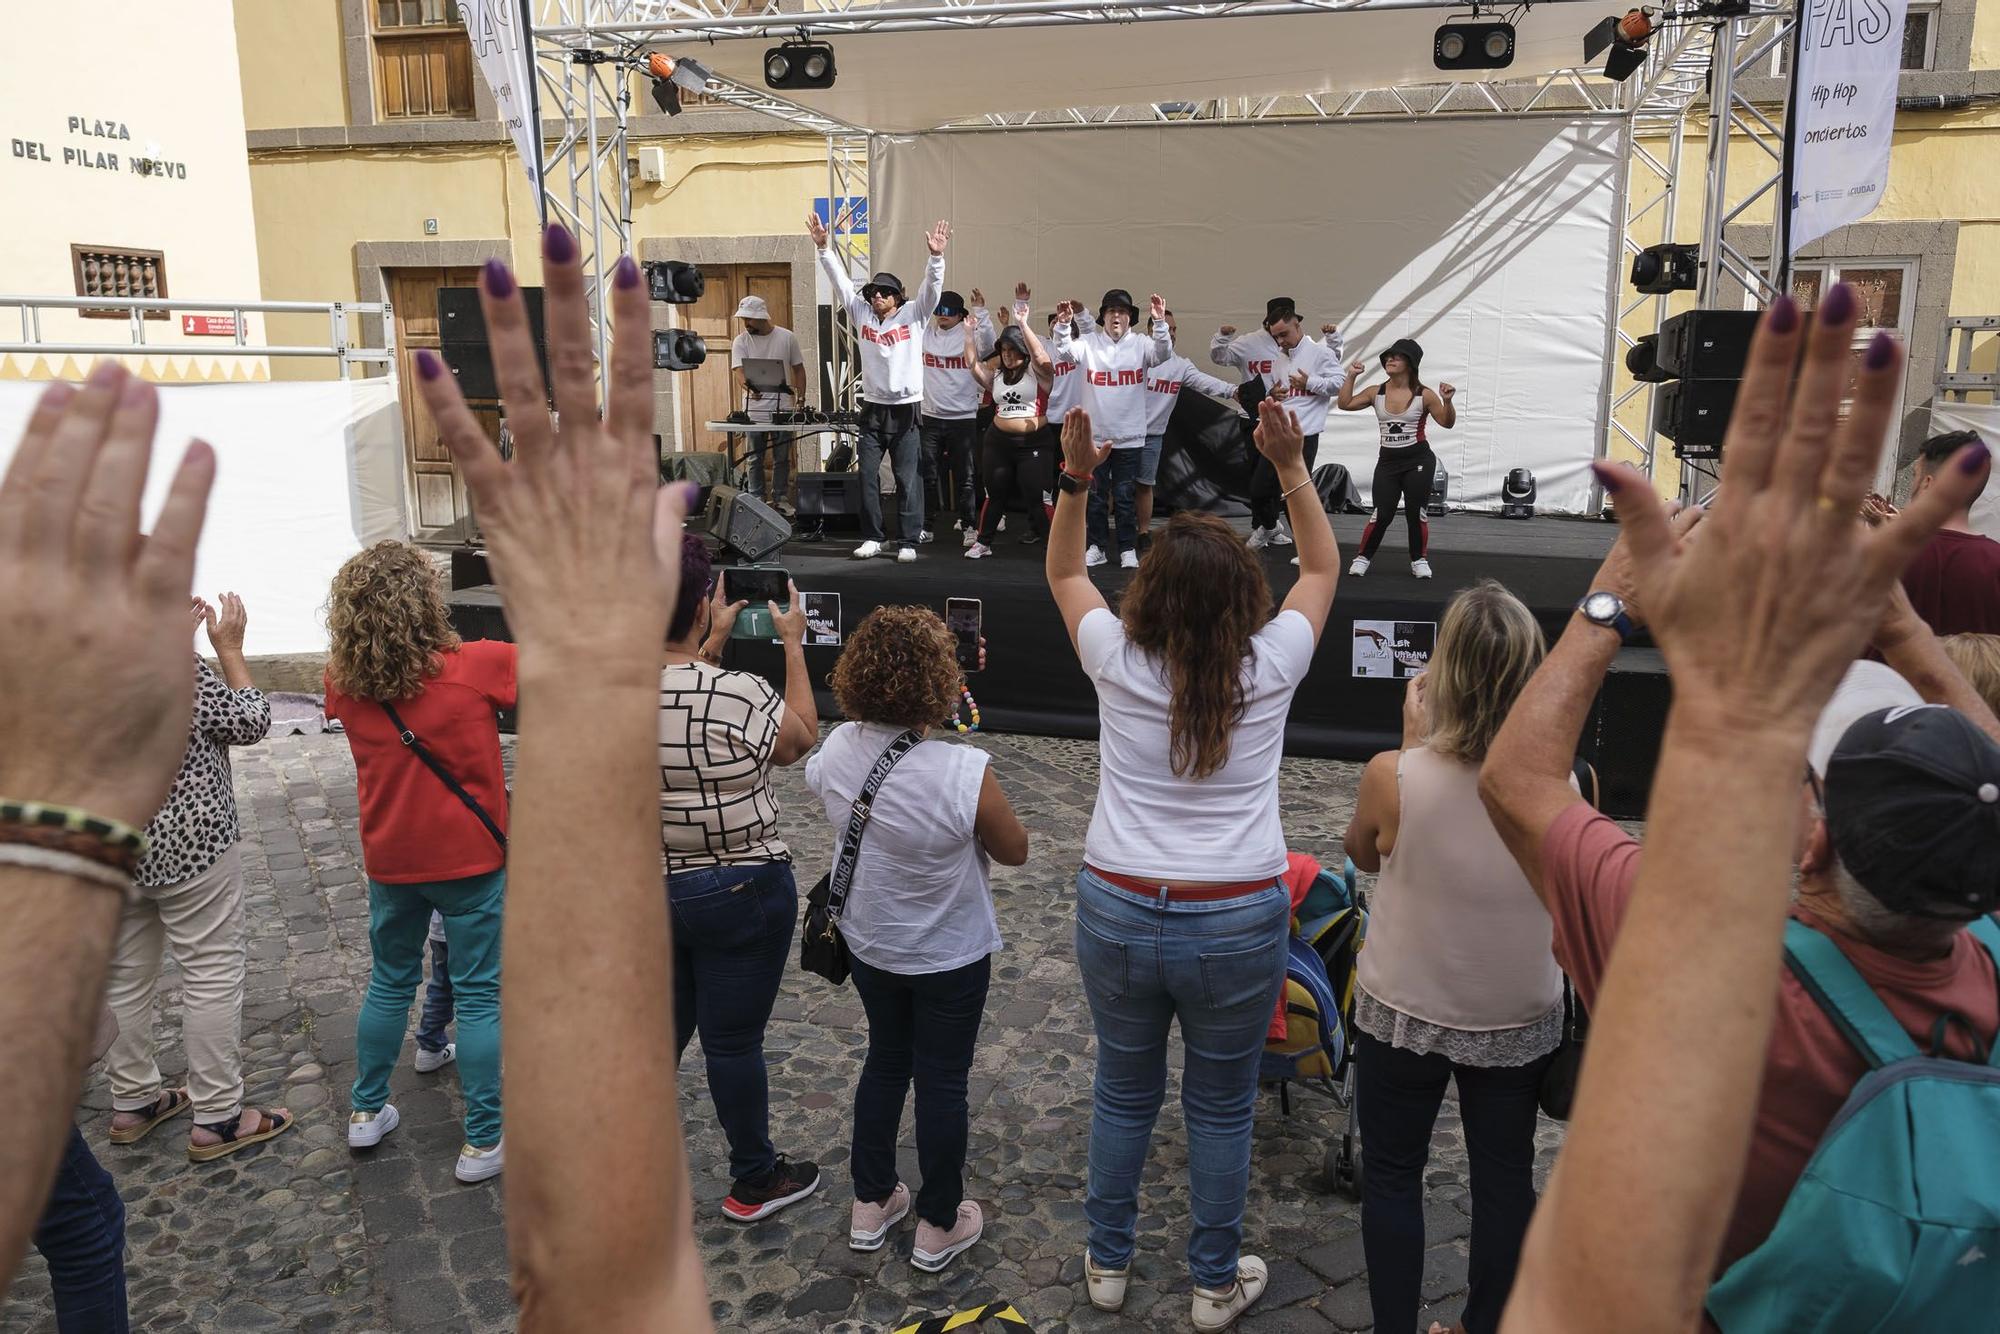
[(1033, 683)]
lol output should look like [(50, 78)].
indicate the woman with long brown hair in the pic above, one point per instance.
[(1181, 914), (419, 707)]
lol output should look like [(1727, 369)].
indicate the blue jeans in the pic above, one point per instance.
[(1217, 967), (732, 932), (922, 1028), (431, 1035), (891, 428), (399, 919), (778, 445), (82, 1237), (1116, 486)]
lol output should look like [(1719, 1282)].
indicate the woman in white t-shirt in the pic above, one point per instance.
[(918, 921), (1180, 910)]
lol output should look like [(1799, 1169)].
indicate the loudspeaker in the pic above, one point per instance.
[(463, 343), (1706, 344), (1694, 414), (831, 498), (751, 528)]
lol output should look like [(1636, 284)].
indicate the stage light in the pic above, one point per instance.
[(1473, 45), (1517, 495), (1642, 359), (670, 76), (678, 349), (1625, 38), (799, 64), (1440, 496), (1671, 267), (674, 282)]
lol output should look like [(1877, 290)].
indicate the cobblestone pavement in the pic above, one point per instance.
[(300, 1234)]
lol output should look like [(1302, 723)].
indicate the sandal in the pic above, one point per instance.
[(169, 1105), (275, 1123)]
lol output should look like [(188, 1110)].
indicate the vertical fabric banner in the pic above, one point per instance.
[(502, 47), (1842, 113)]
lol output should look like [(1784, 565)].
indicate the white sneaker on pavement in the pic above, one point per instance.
[(428, 1061), (1093, 557), (366, 1129), (480, 1164), (1107, 1286), (1359, 567), (1217, 1309), (868, 551)]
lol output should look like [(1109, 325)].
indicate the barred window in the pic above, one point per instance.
[(103, 271)]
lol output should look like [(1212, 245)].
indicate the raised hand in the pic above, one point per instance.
[(1227, 331), (1278, 436), (225, 626), (1355, 368), (1445, 391), (1021, 294), (938, 237), (816, 230), (1759, 618), (978, 299), (1156, 307), (1081, 454), (1328, 330), (1064, 310), (1416, 710)]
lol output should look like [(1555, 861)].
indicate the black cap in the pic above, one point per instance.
[(883, 282), (951, 303), (1013, 337), (1913, 811), (1117, 296), (1409, 350), (1279, 308)]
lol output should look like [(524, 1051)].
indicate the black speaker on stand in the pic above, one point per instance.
[(466, 349)]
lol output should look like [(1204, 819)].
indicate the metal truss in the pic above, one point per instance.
[(1967, 339)]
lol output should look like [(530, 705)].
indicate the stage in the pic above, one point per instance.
[(1349, 706)]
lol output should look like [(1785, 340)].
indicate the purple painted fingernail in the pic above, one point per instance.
[(1974, 456), (558, 246), (626, 274), (499, 282), (1784, 316), (1608, 474), (428, 364), (1838, 307), (690, 496), (1881, 351)]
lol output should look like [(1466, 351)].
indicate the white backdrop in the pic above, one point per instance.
[(306, 474), (1487, 240), (1985, 419)]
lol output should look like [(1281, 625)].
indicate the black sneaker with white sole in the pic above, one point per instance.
[(787, 1183)]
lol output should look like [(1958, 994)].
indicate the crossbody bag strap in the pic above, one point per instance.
[(422, 752), (850, 842)]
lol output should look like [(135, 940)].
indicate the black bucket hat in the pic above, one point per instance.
[(1117, 296), (951, 303), (883, 282), (1409, 350), (1279, 308)]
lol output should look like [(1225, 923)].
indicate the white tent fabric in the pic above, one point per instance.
[(1487, 240), (905, 82), (306, 475), (1985, 419)]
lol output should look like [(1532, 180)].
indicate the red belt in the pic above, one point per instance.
[(1182, 893)]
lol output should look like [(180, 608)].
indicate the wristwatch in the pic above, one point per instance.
[(1070, 484), (1608, 610)]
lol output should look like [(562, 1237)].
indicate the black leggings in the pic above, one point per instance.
[(1267, 503), (1010, 461), (1402, 477)]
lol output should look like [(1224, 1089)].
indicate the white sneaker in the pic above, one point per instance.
[(1107, 1286), (366, 1129), (1128, 560), (1359, 567), (428, 1061), (1281, 536), (971, 536), (1217, 1309), (479, 1164), (978, 551), (904, 555), (926, 536), (868, 551), (1093, 557), (1260, 538), (1420, 568), (1002, 526)]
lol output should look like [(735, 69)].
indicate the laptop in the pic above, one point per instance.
[(766, 375)]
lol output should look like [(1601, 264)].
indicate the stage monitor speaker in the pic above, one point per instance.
[(832, 499), (1694, 414), (1434, 507), (462, 339), (751, 528), (1706, 344)]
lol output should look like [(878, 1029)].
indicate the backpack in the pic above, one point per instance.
[(1895, 1223)]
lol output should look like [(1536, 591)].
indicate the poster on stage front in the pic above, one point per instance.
[(1393, 650), (822, 619)]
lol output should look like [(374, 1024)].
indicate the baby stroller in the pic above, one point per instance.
[(1309, 1043)]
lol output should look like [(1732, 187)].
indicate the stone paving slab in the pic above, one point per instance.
[(301, 1234)]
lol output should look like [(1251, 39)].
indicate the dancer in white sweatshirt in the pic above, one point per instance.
[(951, 406), (889, 336), (1305, 375), (1113, 362), (1163, 390)]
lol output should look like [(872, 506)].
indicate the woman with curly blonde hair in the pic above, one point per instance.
[(419, 707), (918, 922)]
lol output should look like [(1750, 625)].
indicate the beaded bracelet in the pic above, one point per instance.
[(66, 829), (70, 864), (971, 706)]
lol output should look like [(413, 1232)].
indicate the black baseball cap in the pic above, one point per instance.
[(883, 282), (1913, 810), (951, 303), (1117, 296)]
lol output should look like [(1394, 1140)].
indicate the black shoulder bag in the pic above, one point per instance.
[(821, 949), (422, 752)]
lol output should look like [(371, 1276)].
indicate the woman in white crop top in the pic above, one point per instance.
[(1406, 467), (1180, 915), (1459, 982), (1018, 449)]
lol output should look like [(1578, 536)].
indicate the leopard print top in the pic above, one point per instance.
[(198, 824)]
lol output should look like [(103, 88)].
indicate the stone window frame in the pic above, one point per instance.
[(358, 43), (1951, 73)]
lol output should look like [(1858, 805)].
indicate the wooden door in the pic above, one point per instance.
[(705, 395), (436, 491)]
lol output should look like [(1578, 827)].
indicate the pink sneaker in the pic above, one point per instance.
[(935, 1247), (868, 1226)]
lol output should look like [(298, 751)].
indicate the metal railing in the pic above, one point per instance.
[(343, 333)]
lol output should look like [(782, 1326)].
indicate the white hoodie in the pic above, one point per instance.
[(891, 350), (1163, 389), (1114, 379), (1066, 386), (1257, 353), (950, 392)]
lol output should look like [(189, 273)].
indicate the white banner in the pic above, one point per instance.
[(508, 65), (1842, 113)]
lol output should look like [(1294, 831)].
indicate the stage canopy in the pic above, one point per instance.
[(902, 82)]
